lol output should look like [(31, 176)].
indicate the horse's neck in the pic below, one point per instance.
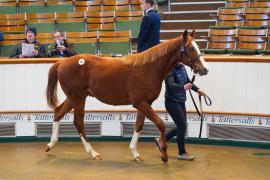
[(172, 62), (165, 64)]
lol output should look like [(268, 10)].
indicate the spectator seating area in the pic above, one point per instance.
[(95, 42), (242, 27), (85, 20), (46, 6), (247, 3)]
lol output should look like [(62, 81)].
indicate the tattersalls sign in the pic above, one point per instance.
[(192, 118), (11, 117), (89, 116), (256, 121), (111, 122)]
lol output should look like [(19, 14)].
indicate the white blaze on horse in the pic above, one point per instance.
[(134, 79)]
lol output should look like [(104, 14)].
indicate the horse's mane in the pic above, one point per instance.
[(152, 54)]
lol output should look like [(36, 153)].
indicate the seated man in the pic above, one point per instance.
[(38, 49), (61, 47)]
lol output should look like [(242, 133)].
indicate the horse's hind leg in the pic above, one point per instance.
[(145, 108), (79, 123), (133, 143), (59, 112)]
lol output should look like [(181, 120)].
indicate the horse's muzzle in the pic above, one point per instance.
[(203, 71)]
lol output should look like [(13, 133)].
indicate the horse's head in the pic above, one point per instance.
[(190, 54)]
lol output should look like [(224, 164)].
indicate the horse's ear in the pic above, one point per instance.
[(185, 34), (192, 34)]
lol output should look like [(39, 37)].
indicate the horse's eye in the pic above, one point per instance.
[(191, 49)]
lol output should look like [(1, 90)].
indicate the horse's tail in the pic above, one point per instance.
[(51, 91)]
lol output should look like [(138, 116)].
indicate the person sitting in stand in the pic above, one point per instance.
[(61, 47), (39, 49)]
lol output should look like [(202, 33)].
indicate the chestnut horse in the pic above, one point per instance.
[(134, 79)]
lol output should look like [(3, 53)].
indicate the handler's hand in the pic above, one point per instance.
[(188, 86), (200, 92)]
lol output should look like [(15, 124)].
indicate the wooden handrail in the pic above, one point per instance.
[(237, 58), (208, 58)]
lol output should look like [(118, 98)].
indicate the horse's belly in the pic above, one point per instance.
[(113, 101), (111, 96)]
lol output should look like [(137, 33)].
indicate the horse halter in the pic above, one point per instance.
[(192, 60), (207, 99)]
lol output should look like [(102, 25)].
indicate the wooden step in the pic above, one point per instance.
[(187, 15), (196, 6), (172, 1), (170, 34), (201, 43), (182, 24)]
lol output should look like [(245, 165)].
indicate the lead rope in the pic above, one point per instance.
[(207, 101)]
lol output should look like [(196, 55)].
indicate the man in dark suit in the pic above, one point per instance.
[(149, 35)]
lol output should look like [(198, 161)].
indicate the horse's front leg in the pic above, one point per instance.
[(147, 110), (79, 123), (135, 138)]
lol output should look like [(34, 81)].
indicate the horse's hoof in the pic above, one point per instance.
[(138, 159), (47, 148), (164, 158), (97, 157)]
